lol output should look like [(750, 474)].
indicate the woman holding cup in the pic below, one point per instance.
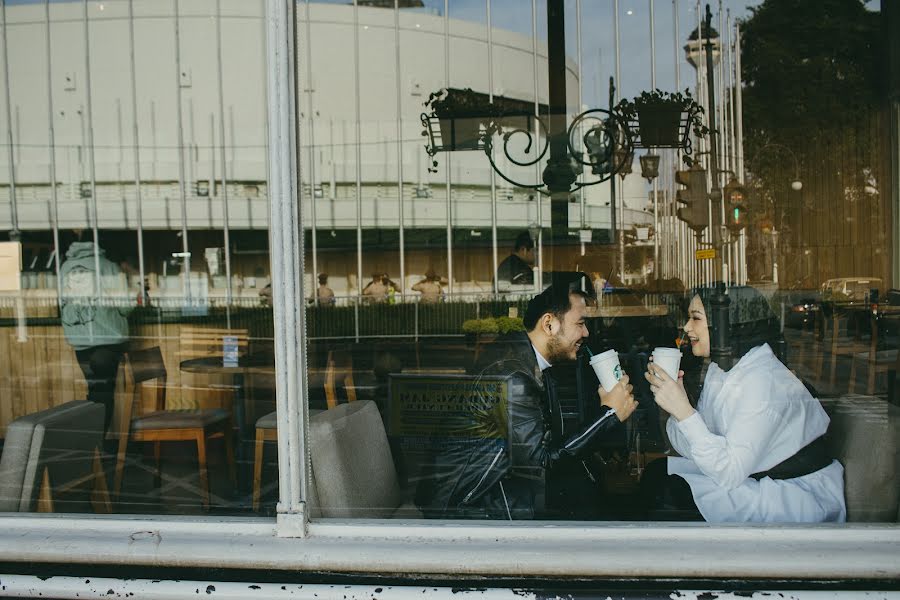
[(753, 449)]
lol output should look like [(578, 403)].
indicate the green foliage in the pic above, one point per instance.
[(502, 325), (510, 324), (659, 99), (448, 103), (811, 70), (488, 325)]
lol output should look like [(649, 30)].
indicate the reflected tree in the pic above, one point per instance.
[(813, 84)]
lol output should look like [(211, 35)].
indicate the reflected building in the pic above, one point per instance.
[(128, 117)]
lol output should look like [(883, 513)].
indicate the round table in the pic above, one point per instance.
[(250, 364)]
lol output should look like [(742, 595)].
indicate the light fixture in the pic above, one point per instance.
[(649, 166), (796, 185), (624, 158)]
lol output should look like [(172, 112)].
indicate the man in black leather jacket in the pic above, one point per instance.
[(514, 457)]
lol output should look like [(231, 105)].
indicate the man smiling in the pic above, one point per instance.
[(542, 467)]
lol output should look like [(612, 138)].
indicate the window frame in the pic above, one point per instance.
[(442, 548)]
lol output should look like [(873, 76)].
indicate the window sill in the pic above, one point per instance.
[(462, 549)]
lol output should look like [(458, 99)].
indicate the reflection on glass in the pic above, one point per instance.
[(135, 261), (434, 344)]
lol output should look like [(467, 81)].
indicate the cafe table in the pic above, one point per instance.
[(245, 365)]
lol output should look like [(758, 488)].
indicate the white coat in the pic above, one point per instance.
[(748, 420)]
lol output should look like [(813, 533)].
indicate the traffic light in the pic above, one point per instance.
[(696, 210), (735, 205)]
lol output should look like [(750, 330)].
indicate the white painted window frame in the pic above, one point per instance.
[(409, 548)]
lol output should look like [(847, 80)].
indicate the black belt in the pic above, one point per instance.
[(809, 459)]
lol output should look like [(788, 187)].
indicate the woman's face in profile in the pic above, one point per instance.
[(697, 328)]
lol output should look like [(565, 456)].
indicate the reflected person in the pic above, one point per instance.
[(429, 288), (324, 294), (95, 321), (516, 268)]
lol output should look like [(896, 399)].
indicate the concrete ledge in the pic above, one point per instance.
[(524, 550)]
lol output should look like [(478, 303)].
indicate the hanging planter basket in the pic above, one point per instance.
[(660, 125), (460, 133), (457, 119), (663, 119)]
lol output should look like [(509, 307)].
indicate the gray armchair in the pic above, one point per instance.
[(52, 452), (865, 436)]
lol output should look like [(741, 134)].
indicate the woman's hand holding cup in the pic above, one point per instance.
[(669, 393), (620, 399)]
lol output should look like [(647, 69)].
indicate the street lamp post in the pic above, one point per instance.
[(602, 140), (796, 185)]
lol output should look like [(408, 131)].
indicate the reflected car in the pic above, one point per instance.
[(850, 289), (802, 314)]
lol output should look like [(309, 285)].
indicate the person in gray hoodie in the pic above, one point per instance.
[(95, 321)]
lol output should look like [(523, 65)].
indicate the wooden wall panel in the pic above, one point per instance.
[(43, 371)]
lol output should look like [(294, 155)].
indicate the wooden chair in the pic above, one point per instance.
[(164, 425), (339, 367), (877, 361), (840, 345), (266, 431)]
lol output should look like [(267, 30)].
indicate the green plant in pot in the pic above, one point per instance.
[(660, 116)]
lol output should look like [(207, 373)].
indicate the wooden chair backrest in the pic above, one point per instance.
[(195, 342), (339, 368), (142, 366)]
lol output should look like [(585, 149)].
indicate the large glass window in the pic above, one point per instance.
[(467, 299), (136, 330)]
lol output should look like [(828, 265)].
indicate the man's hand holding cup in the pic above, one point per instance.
[(620, 399)]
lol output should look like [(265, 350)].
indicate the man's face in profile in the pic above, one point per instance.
[(568, 334)]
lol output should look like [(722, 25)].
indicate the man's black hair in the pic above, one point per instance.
[(523, 240), (556, 299)]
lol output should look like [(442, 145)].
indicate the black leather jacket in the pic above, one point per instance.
[(500, 467)]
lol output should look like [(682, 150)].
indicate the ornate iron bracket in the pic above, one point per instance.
[(592, 140)]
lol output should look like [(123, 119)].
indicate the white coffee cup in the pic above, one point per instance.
[(668, 359), (606, 366)]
